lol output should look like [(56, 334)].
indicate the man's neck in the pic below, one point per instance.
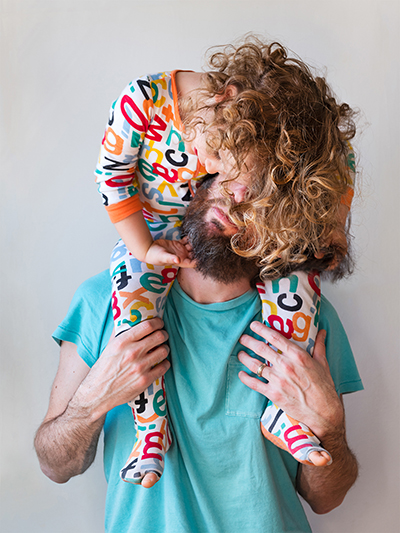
[(204, 290)]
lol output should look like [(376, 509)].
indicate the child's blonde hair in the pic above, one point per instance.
[(284, 126)]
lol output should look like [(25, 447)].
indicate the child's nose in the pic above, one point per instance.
[(213, 166)]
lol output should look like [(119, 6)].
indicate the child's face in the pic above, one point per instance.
[(221, 161)]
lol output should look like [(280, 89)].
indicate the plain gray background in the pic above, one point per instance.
[(62, 63)]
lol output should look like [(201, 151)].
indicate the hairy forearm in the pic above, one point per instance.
[(303, 386), (67, 439), (66, 445), (324, 488)]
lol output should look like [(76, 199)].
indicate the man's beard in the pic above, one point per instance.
[(212, 250)]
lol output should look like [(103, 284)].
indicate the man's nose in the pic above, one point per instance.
[(238, 191)]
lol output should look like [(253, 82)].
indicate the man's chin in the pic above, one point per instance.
[(212, 252), (211, 243)]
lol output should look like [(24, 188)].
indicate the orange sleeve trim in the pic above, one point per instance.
[(347, 198), (175, 99), (178, 121), (122, 210)]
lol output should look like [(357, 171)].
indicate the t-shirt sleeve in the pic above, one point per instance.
[(338, 351), (88, 323)]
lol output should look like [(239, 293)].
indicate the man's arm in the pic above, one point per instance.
[(303, 387), (324, 488), (66, 441)]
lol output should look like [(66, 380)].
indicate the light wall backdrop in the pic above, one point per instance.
[(62, 63)]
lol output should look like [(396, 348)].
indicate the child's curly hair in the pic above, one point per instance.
[(285, 129)]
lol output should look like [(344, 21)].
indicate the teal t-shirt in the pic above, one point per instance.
[(221, 474)]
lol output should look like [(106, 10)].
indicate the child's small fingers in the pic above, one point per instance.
[(171, 259), (188, 263), (185, 243)]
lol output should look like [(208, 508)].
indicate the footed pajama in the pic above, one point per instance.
[(291, 306), (143, 165)]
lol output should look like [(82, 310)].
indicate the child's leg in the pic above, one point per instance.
[(139, 292), (291, 306)]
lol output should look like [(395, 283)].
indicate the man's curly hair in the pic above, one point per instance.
[(286, 130)]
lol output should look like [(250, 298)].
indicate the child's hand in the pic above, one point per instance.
[(164, 252)]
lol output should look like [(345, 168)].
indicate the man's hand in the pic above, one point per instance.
[(67, 439), (128, 365), (303, 387), (165, 252)]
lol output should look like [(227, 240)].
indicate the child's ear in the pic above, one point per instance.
[(229, 93)]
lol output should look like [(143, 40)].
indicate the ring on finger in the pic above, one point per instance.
[(260, 370)]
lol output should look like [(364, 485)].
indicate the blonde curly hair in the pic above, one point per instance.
[(285, 129)]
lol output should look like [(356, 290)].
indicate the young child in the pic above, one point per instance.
[(165, 132)]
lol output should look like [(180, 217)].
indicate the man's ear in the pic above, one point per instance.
[(229, 93)]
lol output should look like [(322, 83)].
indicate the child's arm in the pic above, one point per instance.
[(136, 235), (130, 117)]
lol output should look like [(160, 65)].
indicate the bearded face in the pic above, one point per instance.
[(209, 232)]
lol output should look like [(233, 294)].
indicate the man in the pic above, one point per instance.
[(220, 474)]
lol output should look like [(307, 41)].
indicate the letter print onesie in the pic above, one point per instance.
[(143, 166)]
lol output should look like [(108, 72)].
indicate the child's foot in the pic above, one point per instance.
[(149, 480), (292, 436), (146, 461), (318, 458)]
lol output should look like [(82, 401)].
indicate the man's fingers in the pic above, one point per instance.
[(273, 337), (156, 359), (144, 336), (142, 330), (255, 365), (148, 377), (156, 339), (261, 348), (158, 370), (253, 383), (156, 365), (139, 341), (157, 354)]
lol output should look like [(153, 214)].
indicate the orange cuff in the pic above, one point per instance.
[(347, 197), (122, 210)]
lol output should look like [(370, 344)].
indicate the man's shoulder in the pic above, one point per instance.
[(91, 301), (98, 286), (88, 323), (328, 312), (338, 350), (329, 320)]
